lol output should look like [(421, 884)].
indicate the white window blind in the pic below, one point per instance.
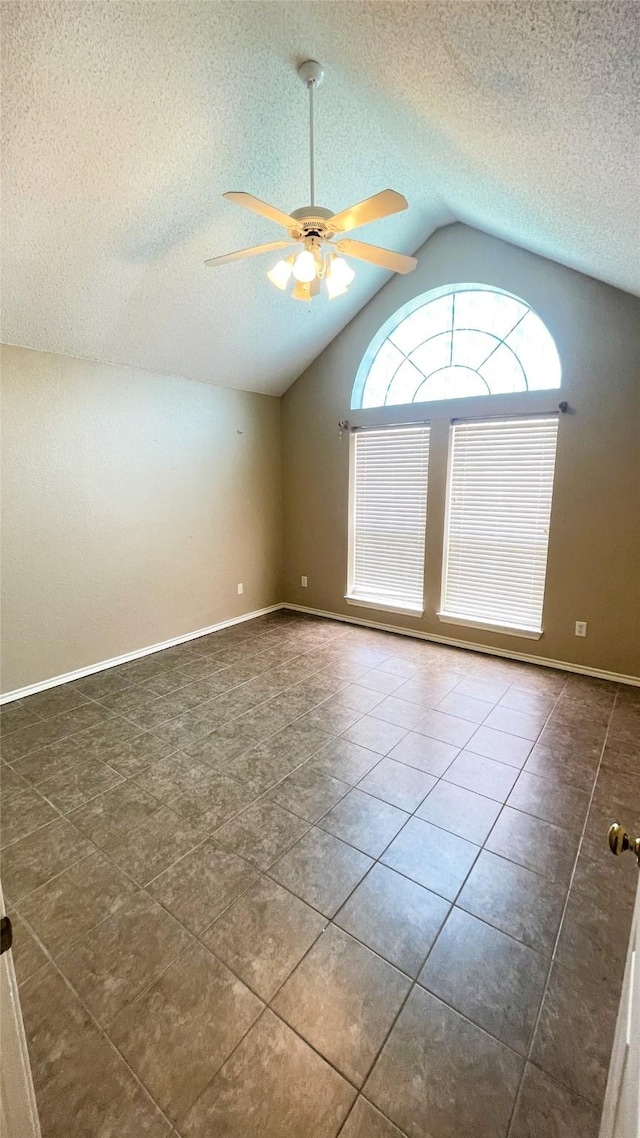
[(388, 516), (498, 510)]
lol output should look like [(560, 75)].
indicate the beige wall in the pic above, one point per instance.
[(594, 546), (133, 504)]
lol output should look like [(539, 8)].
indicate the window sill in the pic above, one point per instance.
[(488, 626), (384, 606)]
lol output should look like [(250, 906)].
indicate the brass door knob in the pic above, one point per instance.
[(619, 841)]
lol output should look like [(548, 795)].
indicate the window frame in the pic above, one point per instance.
[(406, 310)]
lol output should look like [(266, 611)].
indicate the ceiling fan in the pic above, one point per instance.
[(313, 230)]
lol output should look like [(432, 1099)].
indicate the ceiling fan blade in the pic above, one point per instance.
[(380, 205), (254, 251), (385, 258), (247, 201)]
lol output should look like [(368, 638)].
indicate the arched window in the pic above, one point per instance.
[(456, 342)]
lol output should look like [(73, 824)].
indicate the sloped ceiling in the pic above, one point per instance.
[(124, 122)]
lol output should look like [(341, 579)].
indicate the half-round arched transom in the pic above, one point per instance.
[(468, 340)]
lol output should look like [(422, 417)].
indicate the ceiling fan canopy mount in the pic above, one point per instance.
[(313, 228)]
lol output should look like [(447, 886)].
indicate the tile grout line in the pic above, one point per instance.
[(95, 1022), (557, 938), (211, 835)]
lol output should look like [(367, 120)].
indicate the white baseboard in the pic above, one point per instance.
[(562, 665), (80, 673)]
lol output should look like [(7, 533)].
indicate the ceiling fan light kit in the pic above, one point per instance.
[(312, 230)]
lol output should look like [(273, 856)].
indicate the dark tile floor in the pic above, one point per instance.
[(299, 879)]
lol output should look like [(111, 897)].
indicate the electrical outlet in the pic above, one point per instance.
[(303, 582), (581, 628), (240, 590)]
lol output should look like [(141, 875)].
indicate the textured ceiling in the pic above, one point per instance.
[(123, 124)]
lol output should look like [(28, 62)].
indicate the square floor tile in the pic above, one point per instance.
[(83, 1087), (153, 844), (114, 962), (465, 706), (397, 783), (441, 1076), (533, 702), (425, 690), (514, 900), (398, 711), (77, 899), (374, 734), (23, 811), (222, 745), (595, 929), (448, 728), (534, 844), (488, 690), (38, 857), (16, 715), (214, 800), (563, 765), (42, 764), (252, 1094), (357, 698), (202, 884), (11, 781), (307, 793), (546, 1109), (367, 1122), (269, 762), (459, 811), (192, 725), (383, 678), (47, 731), (516, 722), (343, 999), (261, 833), (264, 935), (102, 683), (84, 780), (576, 1007), (330, 717), (344, 760), (429, 755), (54, 701), (484, 776), (321, 870), (128, 750), (397, 918), (500, 746), (172, 774), (550, 800), (364, 822), (28, 955), (169, 1036), (261, 767), (492, 979), (434, 858), (116, 811)]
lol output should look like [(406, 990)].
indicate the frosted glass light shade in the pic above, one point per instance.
[(340, 272), (304, 267), (279, 275)]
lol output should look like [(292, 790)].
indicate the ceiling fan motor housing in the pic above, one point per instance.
[(313, 222)]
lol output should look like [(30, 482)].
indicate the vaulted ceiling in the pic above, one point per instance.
[(124, 123)]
